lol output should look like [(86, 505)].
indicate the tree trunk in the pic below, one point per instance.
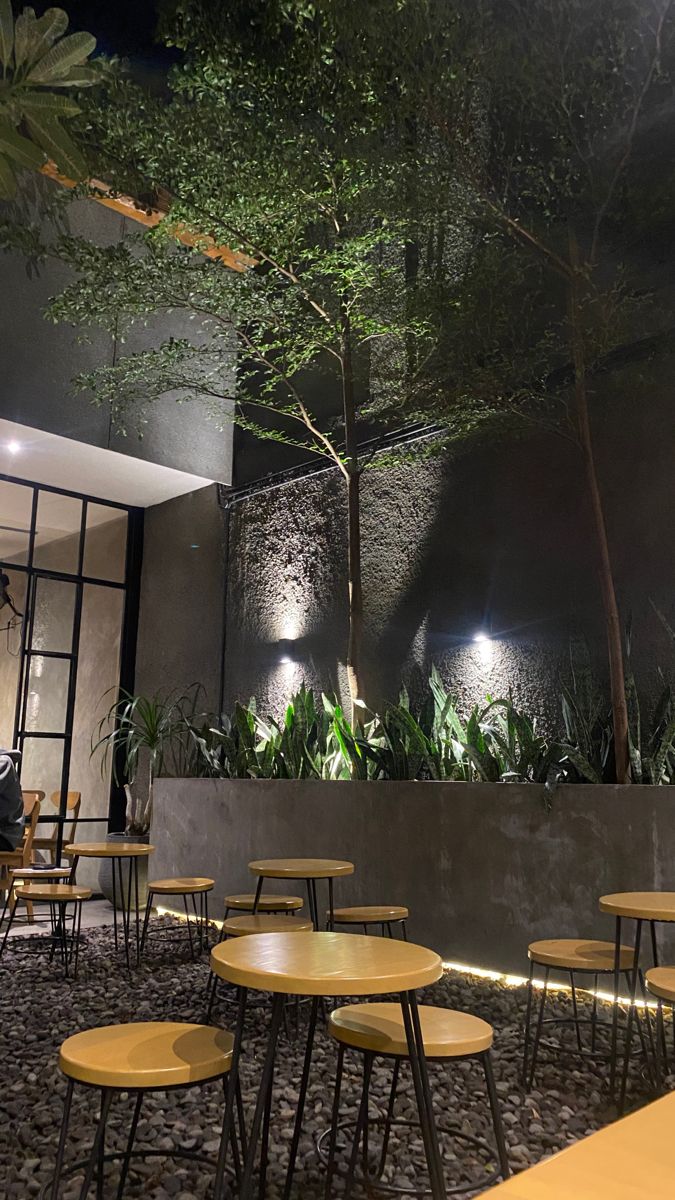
[(607, 589), (353, 524)]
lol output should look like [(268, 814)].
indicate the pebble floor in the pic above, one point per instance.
[(38, 1009)]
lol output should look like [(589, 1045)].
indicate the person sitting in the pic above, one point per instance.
[(11, 803)]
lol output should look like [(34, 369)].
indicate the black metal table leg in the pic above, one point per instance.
[(302, 1097), (230, 1101), (418, 1064), (267, 1075), (631, 1014), (138, 915), (331, 905), (256, 898), (330, 1169), (615, 1009), (114, 900)]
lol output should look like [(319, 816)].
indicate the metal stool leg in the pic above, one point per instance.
[(100, 1132), (361, 1121), (528, 1018), (130, 1145), (63, 1137), (537, 1033), (496, 1116), (575, 1010), (146, 919), (330, 1169), (189, 928), (390, 1116)]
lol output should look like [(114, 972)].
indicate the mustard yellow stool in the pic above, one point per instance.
[(148, 1056), (197, 889), (386, 916), (574, 957), (65, 931), (249, 924), (660, 983), (377, 1030), (267, 903)]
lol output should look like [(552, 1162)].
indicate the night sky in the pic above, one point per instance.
[(122, 27)]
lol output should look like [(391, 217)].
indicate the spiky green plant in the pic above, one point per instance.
[(35, 59)]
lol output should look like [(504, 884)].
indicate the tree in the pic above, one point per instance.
[(288, 133), (35, 59), (575, 175)]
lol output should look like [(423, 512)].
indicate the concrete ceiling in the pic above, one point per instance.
[(41, 457)]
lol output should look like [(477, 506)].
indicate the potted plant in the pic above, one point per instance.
[(141, 737)]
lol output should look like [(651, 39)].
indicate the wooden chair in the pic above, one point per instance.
[(49, 843), (22, 856)]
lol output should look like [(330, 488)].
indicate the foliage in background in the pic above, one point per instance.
[(495, 742), (35, 59)]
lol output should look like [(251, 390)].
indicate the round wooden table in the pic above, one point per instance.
[(318, 965), (653, 907), (118, 852), (309, 869)]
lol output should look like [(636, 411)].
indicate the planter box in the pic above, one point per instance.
[(484, 868)]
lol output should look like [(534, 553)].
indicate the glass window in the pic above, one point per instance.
[(16, 506), (12, 593), (47, 698), (57, 533), (41, 766), (97, 679), (105, 547), (54, 613)]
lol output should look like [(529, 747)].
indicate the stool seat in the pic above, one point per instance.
[(181, 887), (661, 982), (579, 954), (52, 892), (380, 1029), (364, 913), (266, 903), (265, 923), (35, 873), (146, 1054)]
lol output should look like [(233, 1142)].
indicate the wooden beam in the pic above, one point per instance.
[(150, 217)]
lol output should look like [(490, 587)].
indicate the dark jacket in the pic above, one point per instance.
[(11, 803)]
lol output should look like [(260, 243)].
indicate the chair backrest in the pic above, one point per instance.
[(73, 802), (31, 807), (30, 799)]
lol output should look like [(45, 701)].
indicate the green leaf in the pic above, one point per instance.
[(7, 180), (24, 36), (58, 144), (48, 104), (50, 26), (20, 149), (6, 32), (56, 63)]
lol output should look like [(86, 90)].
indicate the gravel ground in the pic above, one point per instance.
[(38, 1010)]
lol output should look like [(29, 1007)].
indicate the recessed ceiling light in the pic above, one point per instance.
[(13, 447)]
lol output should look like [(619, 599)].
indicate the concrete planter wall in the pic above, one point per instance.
[(484, 868)]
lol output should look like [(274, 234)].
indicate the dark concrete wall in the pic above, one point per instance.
[(484, 868), (498, 537), (182, 596), (38, 361)]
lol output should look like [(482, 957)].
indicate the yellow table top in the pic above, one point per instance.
[(629, 1160), (649, 906), (301, 868), (108, 849), (325, 964)]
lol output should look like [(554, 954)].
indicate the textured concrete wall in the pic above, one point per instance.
[(483, 868), (38, 361), (498, 538), (182, 596)]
